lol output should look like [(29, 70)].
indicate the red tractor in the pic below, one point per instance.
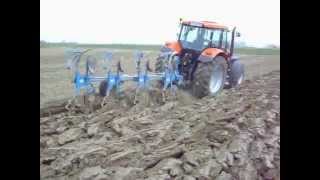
[(205, 51)]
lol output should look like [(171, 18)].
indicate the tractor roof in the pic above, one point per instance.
[(206, 24)]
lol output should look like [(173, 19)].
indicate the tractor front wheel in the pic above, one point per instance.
[(209, 78)]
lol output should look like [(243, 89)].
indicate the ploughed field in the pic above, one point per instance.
[(233, 136)]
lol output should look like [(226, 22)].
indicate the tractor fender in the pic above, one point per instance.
[(174, 46), (233, 59), (209, 54)]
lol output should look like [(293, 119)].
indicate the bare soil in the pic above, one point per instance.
[(233, 136)]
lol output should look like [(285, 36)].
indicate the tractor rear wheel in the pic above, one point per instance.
[(159, 66), (209, 77)]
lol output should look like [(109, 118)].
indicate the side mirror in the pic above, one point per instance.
[(238, 34)]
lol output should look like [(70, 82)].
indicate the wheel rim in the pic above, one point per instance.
[(216, 79)]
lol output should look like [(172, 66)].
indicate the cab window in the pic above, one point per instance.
[(216, 38), (224, 40)]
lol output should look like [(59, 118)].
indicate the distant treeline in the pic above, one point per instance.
[(111, 46), (242, 50)]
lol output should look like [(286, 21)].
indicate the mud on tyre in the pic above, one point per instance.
[(209, 77)]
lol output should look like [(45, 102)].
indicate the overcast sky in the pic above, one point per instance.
[(154, 21)]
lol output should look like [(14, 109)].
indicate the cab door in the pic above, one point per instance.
[(226, 37)]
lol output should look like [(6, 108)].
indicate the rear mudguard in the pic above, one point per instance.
[(209, 54)]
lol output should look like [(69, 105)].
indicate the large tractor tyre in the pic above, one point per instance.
[(159, 66), (209, 77), (236, 74)]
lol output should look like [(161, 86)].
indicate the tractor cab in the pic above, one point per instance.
[(203, 38), (196, 37)]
